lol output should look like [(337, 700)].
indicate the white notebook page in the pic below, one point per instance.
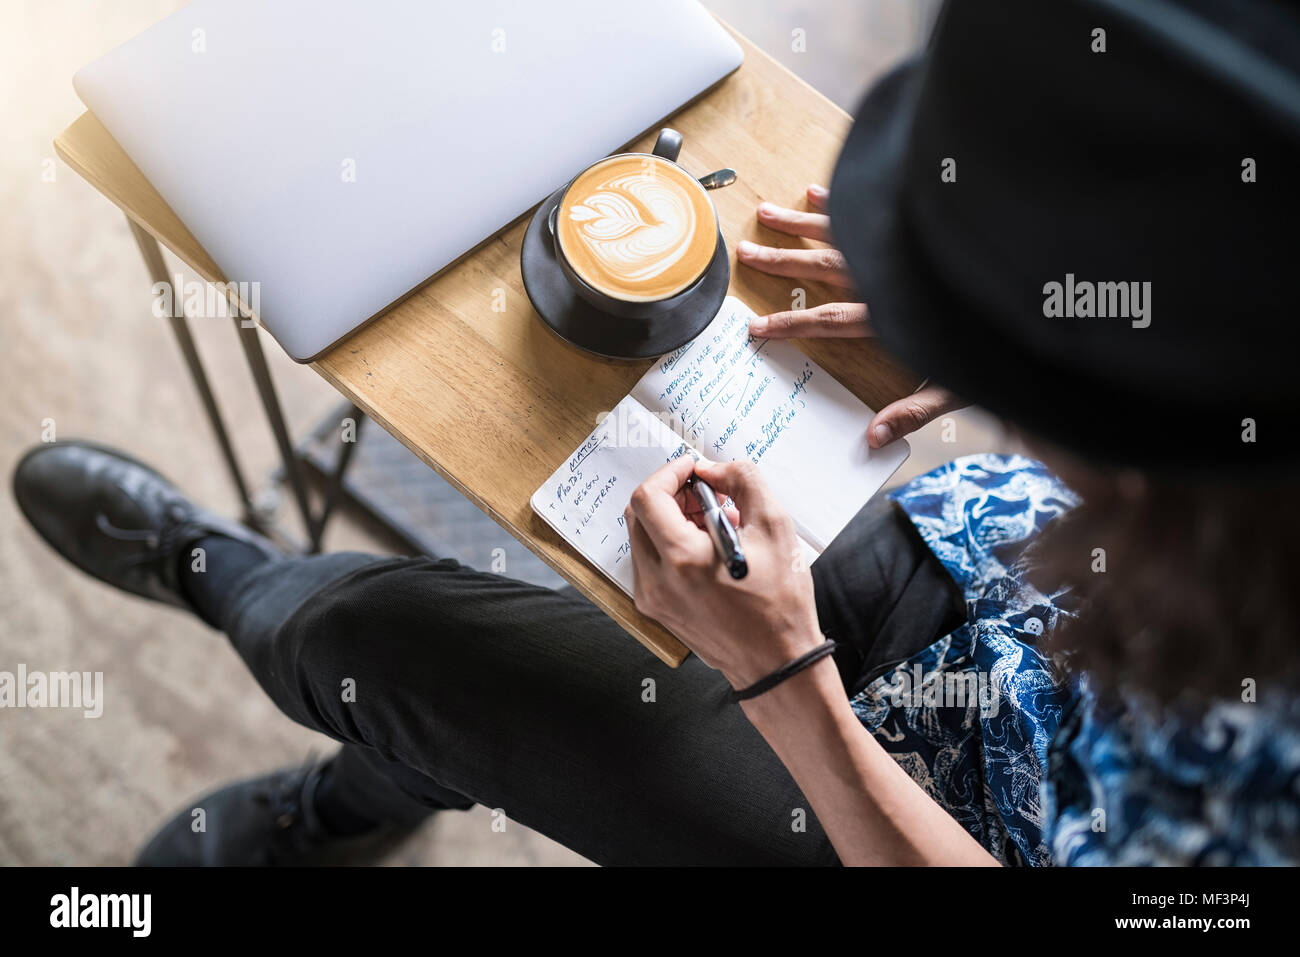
[(724, 396), (736, 397), (584, 500)]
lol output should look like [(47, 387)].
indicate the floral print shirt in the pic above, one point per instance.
[(1026, 758)]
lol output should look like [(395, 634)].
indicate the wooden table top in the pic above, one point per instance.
[(493, 401)]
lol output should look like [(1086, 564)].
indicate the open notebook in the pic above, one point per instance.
[(724, 396)]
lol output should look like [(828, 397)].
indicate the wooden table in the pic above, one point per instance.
[(492, 400)]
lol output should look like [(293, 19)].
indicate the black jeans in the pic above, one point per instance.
[(450, 687)]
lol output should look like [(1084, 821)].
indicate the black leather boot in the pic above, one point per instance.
[(270, 821), (116, 518)]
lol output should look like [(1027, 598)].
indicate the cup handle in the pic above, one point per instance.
[(668, 145)]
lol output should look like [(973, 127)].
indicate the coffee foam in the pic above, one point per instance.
[(637, 228)]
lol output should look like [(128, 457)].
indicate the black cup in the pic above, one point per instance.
[(667, 146)]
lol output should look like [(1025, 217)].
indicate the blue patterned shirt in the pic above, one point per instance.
[(1026, 758)]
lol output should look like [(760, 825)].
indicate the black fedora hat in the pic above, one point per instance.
[(1082, 215)]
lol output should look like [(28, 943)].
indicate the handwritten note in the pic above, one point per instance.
[(733, 396), (586, 497), (725, 396)]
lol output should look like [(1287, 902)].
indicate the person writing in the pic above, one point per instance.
[(1082, 658)]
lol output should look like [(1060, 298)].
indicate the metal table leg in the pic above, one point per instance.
[(157, 269), (314, 524), (252, 346), (335, 484)]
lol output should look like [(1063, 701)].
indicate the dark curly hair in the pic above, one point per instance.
[(1200, 592)]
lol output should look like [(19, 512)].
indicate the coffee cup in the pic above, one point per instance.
[(635, 233)]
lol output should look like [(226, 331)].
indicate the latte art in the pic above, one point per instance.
[(634, 226), (637, 228)]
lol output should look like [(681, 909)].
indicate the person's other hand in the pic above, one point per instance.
[(748, 628), (833, 320)]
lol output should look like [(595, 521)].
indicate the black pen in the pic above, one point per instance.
[(720, 529)]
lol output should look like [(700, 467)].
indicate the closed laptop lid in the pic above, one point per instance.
[(339, 154)]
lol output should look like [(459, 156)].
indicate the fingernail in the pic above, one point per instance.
[(884, 434), (746, 248), (766, 209), (757, 327), (819, 191)]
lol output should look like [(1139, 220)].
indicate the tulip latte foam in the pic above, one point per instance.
[(637, 228)]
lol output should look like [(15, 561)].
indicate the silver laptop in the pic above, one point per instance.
[(338, 154)]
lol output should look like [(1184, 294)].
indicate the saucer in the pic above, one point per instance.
[(578, 322)]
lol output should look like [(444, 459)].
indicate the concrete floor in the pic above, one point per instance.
[(84, 355)]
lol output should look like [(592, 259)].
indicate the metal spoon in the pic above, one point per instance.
[(718, 178)]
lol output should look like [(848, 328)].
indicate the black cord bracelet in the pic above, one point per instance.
[(788, 670)]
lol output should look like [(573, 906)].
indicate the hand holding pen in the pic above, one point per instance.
[(745, 626), (726, 540)]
